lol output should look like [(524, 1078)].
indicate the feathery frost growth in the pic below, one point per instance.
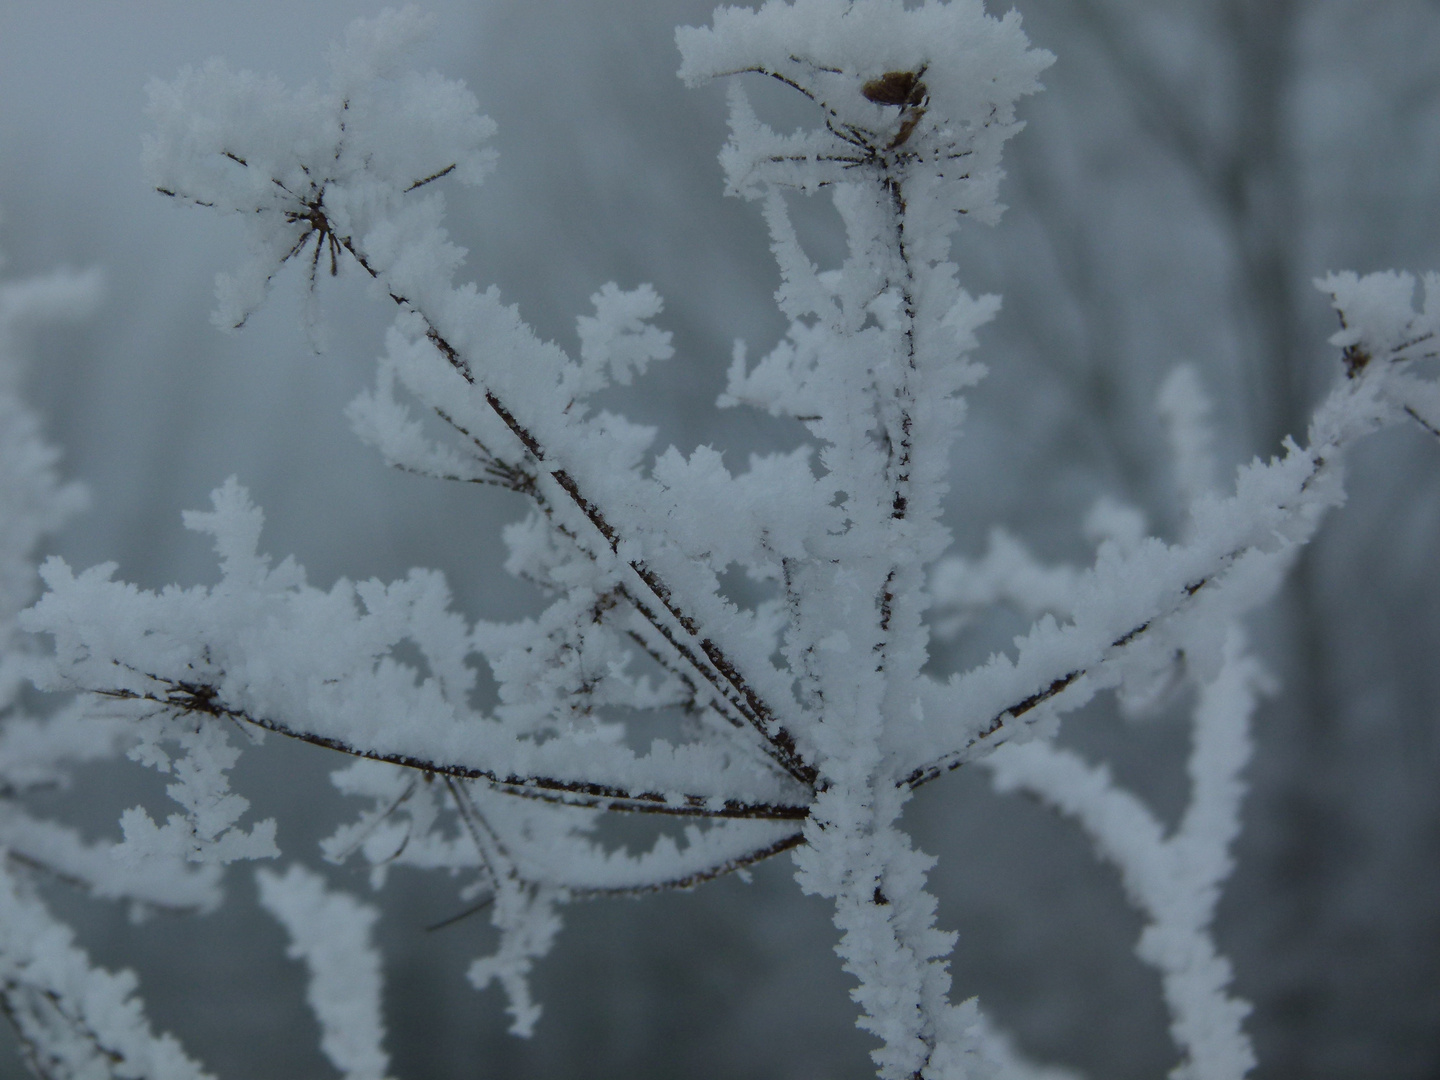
[(802, 723)]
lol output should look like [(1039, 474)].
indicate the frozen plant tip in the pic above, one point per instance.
[(801, 723)]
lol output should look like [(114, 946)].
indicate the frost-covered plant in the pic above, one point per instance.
[(801, 723)]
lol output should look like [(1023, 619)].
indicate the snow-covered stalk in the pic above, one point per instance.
[(914, 108), (800, 724)]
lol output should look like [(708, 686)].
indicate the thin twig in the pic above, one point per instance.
[(197, 698)]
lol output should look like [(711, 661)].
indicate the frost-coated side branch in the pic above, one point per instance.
[(1175, 881), (1136, 607), (339, 200), (204, 652)]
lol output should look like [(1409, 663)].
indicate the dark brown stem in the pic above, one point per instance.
[(686, 881), (951, 761), (189, 697), (903, 445), (721, 673), (696, 877), (487, 844)]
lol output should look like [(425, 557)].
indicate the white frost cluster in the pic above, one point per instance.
[(246, 143), (801, 723)]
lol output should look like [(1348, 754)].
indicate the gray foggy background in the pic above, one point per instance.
[(1190, 168)]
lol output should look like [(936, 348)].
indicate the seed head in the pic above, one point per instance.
[(895, 88)]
